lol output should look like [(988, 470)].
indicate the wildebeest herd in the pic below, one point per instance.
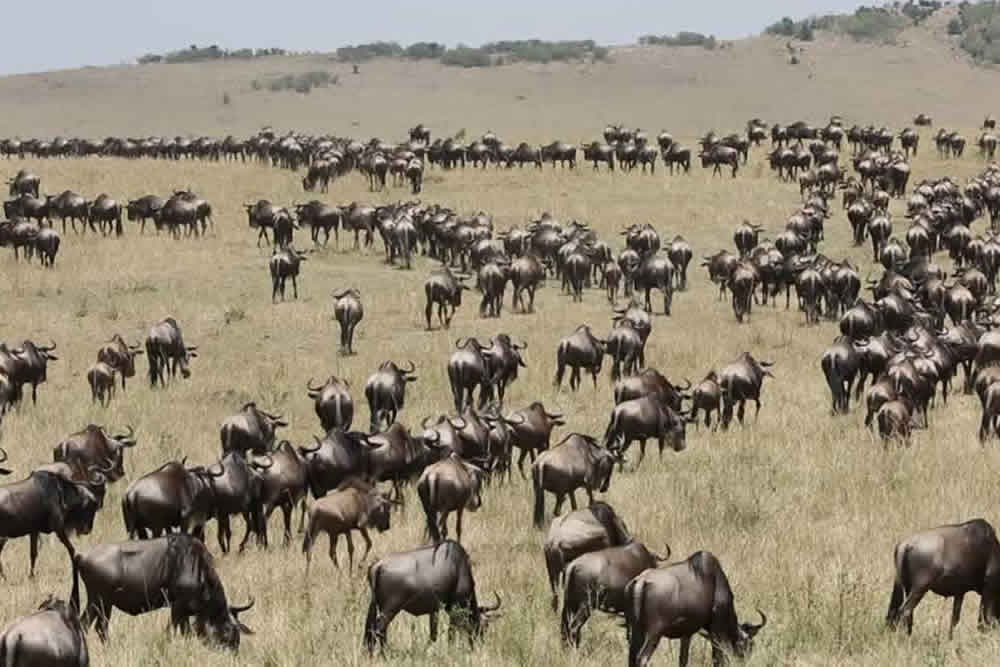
[(919, 328)]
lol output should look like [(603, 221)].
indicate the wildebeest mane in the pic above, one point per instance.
[(617, 531)]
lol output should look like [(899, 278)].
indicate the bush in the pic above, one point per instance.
[(194, 54), (464, 56), (363, 52), (955, 26), (682, 38), (873, 24), (980, 30), (424, 50), (301, 83)]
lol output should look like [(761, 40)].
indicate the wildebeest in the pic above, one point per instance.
[(576, 533), (34, 364), (450, 485), (46, 243), (239, 490), (174, 571), (24, 182), (250, 430), (503, 359), (338, 456), (284, 264), (166, 352), (93, 447), (741, 381), (348, 311), (422, 582), (333, 403), (577, 461), (597, 580), (354, 505), (320, 216), (840, 364), (172, 496), (949, 560), (45, 502), (385, 391), (50, 637), (284, 484), (145, 208), (580, 350), (643, 418), (443, 288), (681, 600), (120, 356), (531, 431), (469, 368), (101, 379)]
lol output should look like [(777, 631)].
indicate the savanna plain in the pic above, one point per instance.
[(802, 508)]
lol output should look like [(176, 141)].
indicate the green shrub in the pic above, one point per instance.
[(955, 26), (980, 30), (301, 83), (682, 38), (194, 54), (424, 50), (464, 56), (363, 52)]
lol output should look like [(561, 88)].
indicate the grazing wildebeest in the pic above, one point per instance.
[(93, 447), (348, 311), (450, 485), (250, 430), (333, 403), (422, 582), (120, 356), (951, 561), (576, 533), (597, 581), (50, 637), (580, 350), (284, 264), (166, 352), (46, 502), (174, 571), (172, 496), (576, 462), (682, 600), (741, 381), (354, 505), (386, 392)]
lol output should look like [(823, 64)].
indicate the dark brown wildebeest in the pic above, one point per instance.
[(532, 430), (651, 382), (746, 237), (576, 533), (46, 502), (468, 368), (333, 403), (720, 267), (354, 505), (285, 263), (643, 418), (101, 379), (50, 637), (239, 490), (742, 283), (718, 155), (443, 288), (840, 363), (24, 182), (415, 174), (526, 273), (250, 430), (386, 392), (107, 212), (625, 345), (93, 447), (166, 352), (120, 356), (283, 485), (640, 320), (172, 496), (582, 349), (598, 152), (144, 208), (951, 561), (682, 600), (174, 571), (680, 255), (34, 364), (284, 228), (46, 243), (320, 216), (741, 381), (261, 216), (597, 581), (348, 311), (422, 582), (399, 457), (895, 418), (450, 485), (337, 457), (503, 359), (707, 396), (576, 462)]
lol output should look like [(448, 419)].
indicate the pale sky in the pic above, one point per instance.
[(66, 34)]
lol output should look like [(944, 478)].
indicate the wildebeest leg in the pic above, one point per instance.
[(224, 533), (572, 498), (251, 520), (179, 621), (350, 551), (740, 410), (443, 524), (458, 524), (33, 540), (727, 414), (295, 287), (685, 651), (560, 498), (956, 613), (433, 626), (368, 543), (101, 614), (520, 464)]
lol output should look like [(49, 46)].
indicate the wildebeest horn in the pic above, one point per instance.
[(487, 610), (222, 471), (4, 453), (688, 381), (192, 348), (433, 442), (766, 364), (312, 388), (754, 629), (237, 609), (458, 342), (127, 439), (97, 478), (661, 559), (458, 419), (307, 450), (258, 464), (423, 423), (50, 347), (522, 346), (511, 421), (554, 415), (342, 293)]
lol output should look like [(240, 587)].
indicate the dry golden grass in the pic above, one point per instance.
[(802, 509)]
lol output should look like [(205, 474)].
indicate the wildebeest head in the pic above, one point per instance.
[(3, 453), (216, 619), (747, 631)]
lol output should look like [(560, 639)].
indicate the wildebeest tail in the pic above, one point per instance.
[(74, 594), (128, 515), (900, 585), (537, 472), (635, 594), (570, 604), (427, 496), (370, 635)]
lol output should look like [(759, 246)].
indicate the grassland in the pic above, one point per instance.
[(802, 509)]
